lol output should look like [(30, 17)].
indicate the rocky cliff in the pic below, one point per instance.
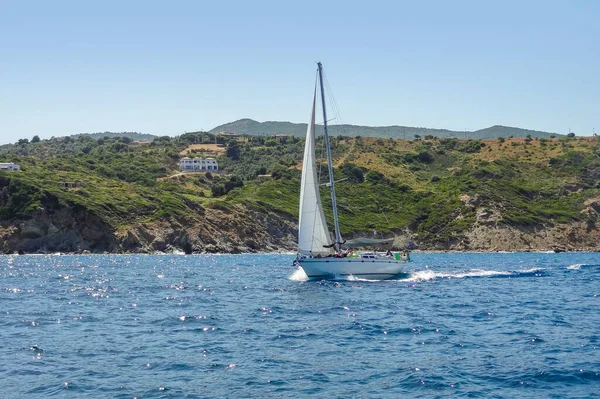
[(70, 230), (241, 230)]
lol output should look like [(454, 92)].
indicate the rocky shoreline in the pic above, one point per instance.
[(238, 229), (260, 233)]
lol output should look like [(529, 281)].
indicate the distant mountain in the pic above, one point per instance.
[(507, 131), (135, 136), (252, 127)]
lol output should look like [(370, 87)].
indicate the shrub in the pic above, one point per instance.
[(471, 146), (373, 176), (425, 157), (352, 172)]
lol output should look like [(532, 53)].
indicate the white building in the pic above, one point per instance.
[(198, 164), (9, 166)]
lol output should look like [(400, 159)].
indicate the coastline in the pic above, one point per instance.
[(290, 253), (266, 234)]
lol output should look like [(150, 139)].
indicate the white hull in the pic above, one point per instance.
[(367, 268)]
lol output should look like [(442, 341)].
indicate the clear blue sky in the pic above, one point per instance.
[(167, 67)]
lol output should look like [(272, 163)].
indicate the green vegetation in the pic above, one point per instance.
[(135, 136), (432, 186)]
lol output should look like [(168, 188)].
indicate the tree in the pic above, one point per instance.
[(162, 139), (352, 172), (417, 137), (261, 171), (281, 172), (425, 157), (571, 135), (233, 150), (374, 177), (35, 139)]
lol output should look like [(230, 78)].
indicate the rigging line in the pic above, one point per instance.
[(315, 133), (384, 214), (322, 149), (335, 111), (334, 106)]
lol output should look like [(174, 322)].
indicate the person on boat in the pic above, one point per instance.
[(388, 253), (405, 256)]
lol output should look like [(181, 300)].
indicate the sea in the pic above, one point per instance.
[(455, 325)]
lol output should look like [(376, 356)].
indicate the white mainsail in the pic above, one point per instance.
[(313, 234)]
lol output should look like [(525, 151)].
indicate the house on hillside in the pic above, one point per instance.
[(280, 137), (198, 165), (10, 167), (228, 134)]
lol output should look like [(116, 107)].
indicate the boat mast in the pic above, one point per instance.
[(338, 236)]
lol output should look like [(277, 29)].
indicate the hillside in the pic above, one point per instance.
[(135, 136), (116, 195), (497, 131), (252, 127)]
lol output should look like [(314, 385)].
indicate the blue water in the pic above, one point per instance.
[(249, 326)]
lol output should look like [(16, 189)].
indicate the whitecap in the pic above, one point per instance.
[(579, 266)]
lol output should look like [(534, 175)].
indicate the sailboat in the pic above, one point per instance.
[(320, 255)]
